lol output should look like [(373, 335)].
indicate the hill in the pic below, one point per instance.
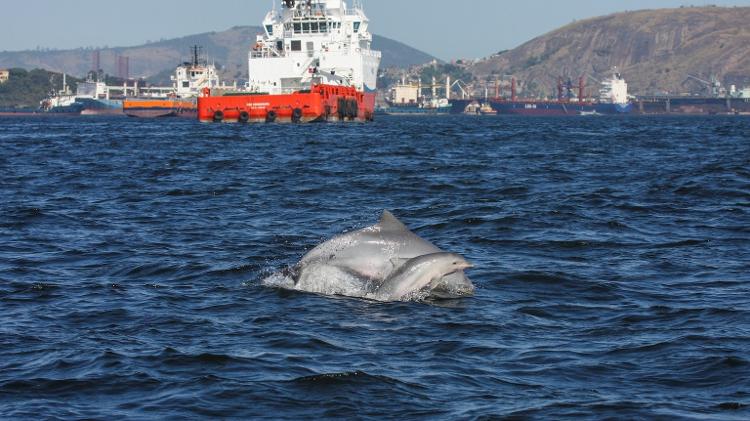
[(155, 60), (656, 50), (25, 88)]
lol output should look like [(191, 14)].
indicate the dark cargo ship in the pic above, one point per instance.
[(613, 99)]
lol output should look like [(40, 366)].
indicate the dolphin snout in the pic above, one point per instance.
[(464, 264)]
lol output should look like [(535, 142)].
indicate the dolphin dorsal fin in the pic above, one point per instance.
[(388, 222)]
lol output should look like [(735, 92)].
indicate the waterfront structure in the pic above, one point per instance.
[(4, 75), (405, 94), (407, 99)]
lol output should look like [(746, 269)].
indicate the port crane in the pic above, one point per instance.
[(713, 86)]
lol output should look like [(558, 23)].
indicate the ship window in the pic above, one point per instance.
[(279, 45), (314, 27), (356, 26), (297, 28), (185, 84), (296, 45), (269, 29), (323, 27), (306, 27)]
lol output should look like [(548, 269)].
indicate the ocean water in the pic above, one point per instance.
[(612, 269)]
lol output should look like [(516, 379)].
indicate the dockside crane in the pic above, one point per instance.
[(713, 86)]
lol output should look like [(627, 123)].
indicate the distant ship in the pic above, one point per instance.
[(96, 99), (480, 108), (613, 99), (313, 62), (62, 102), (92, 97), (406, 99), (181, 100)]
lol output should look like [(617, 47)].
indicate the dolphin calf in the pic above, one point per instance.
[(373, 254), (418, 273)]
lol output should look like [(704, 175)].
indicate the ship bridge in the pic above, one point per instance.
[(313, 41)]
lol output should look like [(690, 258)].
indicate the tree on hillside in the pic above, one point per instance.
[(26, 88)]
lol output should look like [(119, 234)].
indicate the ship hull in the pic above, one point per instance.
[(64, 111), (415, 110), (160, 108), (100, 107), (552, 108), (321, 103), (544, 108)]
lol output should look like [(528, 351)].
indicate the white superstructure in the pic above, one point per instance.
[(191, 77), (614, 90), (60, 99), (313, 41)]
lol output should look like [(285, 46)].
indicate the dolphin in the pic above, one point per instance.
[(374, 252), (418, 273)]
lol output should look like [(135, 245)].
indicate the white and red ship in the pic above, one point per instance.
[(312, 63)]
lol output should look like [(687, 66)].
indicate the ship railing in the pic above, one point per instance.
[(318, 10), (266, 52), (354, 11), (371, 53)]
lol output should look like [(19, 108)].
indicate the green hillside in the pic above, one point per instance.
[(26, 88)]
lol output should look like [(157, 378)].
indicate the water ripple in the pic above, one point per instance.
[(611, 269)]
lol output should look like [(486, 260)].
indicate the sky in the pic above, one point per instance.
[(448, 29)]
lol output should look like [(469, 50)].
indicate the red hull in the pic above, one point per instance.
[(321, 103)]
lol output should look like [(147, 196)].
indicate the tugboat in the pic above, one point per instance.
[(312, 63), (189, 80)]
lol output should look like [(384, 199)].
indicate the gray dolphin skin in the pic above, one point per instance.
[(418, 273), (377, 251)]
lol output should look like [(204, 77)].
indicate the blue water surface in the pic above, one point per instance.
[(612, 269)]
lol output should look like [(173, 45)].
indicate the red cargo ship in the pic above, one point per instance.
[(312, 63), (321, 103)]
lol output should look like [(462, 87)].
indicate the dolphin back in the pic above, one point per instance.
[(369, 251)]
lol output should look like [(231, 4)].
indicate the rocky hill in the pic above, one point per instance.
[(656, 50), (228, 48)]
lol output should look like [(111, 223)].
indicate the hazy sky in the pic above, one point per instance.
[(445, 28)]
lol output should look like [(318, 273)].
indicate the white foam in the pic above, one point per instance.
[(330, 280)]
